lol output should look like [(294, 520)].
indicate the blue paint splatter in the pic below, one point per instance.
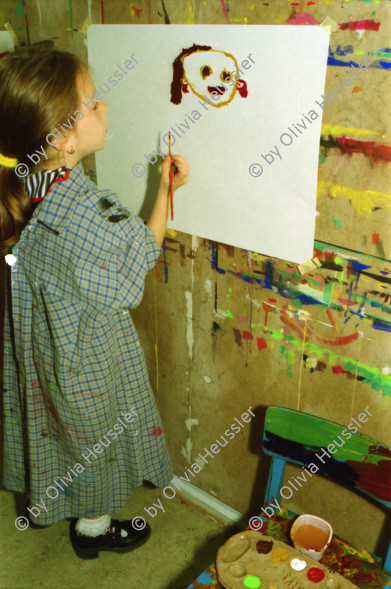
[(378, 64), (213, 250), (381, 325)]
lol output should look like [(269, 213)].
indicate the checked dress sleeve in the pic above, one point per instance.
[(121, 252)]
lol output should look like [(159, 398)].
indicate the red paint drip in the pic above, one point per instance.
[(267, 308), (360, 25), (371, 149), (102, 11), (261, 343), (375, 238), (341, 341), (330, 316), (138, 11), (247, 335)]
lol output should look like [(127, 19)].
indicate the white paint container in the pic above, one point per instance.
[(311, 535)]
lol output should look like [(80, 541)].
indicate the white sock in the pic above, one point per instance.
[(93, 527)]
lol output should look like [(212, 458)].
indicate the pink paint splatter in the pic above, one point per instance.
[(225, 10), (302, 19), (243, 318)]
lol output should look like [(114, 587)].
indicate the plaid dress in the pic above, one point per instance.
[(81, 426)]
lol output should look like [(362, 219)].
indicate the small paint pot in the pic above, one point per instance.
[(311, 535)]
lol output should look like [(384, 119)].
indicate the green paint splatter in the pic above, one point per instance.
[(289, 358), (19, 9), (229, 314), (337, 222), (380, 54), (372, 376), (322, 158)]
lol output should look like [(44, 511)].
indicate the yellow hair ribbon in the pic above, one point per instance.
[(8, 162)]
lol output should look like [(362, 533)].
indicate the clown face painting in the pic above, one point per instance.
[(226, 99), (208, 73)]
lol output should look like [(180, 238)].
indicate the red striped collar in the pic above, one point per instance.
[(38, 185)]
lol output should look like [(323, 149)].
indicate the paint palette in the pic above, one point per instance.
[(251, 560)]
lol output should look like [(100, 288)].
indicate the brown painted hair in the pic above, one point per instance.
[(38, 90), (177, 66)]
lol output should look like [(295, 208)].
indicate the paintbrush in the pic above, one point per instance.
[(171, 190)]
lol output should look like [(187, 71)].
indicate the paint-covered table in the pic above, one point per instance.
[(353, 563)]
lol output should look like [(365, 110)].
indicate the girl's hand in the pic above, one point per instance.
[(180, 172)]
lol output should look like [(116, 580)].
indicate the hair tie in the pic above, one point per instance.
[(8, 162)]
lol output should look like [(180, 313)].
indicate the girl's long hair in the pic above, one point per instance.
[(38, 90)]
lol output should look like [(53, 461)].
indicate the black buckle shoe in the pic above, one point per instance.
[(88, 547)]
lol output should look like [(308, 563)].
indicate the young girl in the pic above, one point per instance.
[(81, 426)]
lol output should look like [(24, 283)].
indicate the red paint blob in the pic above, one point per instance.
[(315, 575), (155, 431), (247, 335), (375, 238), (242, 88), (261, 343), (338, 370)]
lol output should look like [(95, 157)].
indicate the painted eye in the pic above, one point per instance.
[(206, 71), (225, 76)]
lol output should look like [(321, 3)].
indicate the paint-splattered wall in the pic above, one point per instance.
[(225, 329)]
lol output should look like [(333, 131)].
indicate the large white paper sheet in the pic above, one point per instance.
[(6, 43), (253, 158)]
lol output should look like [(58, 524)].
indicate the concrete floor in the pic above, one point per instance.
[(184, 541)]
